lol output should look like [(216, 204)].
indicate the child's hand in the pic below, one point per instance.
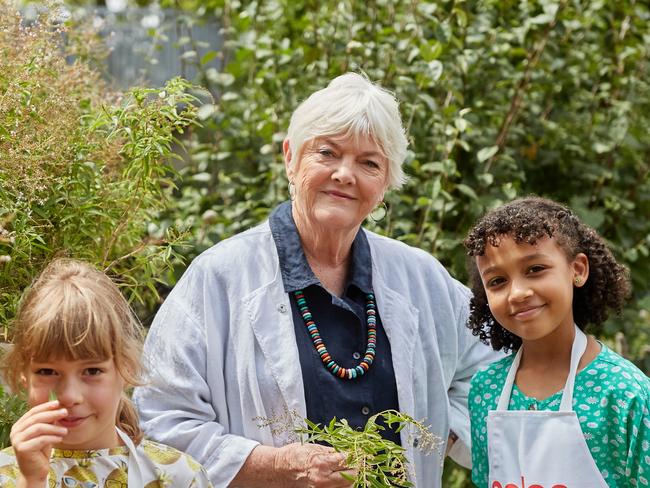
[(32, 438)]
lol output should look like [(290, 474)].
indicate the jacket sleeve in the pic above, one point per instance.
[(178, 403), (471, 356)]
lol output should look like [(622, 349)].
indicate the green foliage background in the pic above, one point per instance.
[(83, 170), (500, 99)]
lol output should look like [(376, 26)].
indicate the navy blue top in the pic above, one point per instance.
[(341, 322)]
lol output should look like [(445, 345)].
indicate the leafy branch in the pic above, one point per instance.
[(378, 462)]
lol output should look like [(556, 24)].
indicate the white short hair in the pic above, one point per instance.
[(352, 105)]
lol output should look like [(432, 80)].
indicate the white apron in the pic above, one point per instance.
[(541, 449), (135, 474)]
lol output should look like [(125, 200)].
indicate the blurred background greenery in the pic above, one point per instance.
[(500, 99)]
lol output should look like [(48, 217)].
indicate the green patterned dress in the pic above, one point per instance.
[(107, 468), (612, 401)]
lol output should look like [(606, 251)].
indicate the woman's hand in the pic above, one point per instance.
[(313, 466), (294, 466), (32, 438)]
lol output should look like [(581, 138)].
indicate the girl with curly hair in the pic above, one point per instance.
[(563, 409)]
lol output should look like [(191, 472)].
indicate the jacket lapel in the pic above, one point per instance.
[(399, 318), (269, 313)]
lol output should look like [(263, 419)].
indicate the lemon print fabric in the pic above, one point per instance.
[(161, 454), (8, 475), (162, 482), (160, 465), (80, 476), (118, 478)]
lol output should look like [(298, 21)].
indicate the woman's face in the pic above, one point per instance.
[(338, 181)]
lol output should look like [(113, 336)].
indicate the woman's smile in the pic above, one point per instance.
[(339, 195)]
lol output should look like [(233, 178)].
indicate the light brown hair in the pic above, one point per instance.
[(73, 311)]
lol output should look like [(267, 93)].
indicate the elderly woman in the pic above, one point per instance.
[(234, 342)]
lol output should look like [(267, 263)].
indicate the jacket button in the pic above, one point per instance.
[(356, 356), (282, 308), (365, 410)]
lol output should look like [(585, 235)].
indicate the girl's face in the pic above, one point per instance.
[(89, 389), (530, 287)]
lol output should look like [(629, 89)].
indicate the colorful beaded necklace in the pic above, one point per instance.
[(332, 367)]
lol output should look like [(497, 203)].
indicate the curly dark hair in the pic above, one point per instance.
[(527, 220)]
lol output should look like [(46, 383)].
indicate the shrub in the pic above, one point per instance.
[(500, 99), (84, 172)]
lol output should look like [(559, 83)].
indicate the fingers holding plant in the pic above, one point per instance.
[(358, 458), (314, 466)]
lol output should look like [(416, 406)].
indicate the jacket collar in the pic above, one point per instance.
[(295, 270)]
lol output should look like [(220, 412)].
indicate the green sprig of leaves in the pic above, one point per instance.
[(378, 462)]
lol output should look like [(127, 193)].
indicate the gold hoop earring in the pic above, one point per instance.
[(292, 191), (379, 212)]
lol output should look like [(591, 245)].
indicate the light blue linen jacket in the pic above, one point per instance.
[(222, 353)]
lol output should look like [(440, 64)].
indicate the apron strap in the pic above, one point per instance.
[(135, 474), (577, 350)]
